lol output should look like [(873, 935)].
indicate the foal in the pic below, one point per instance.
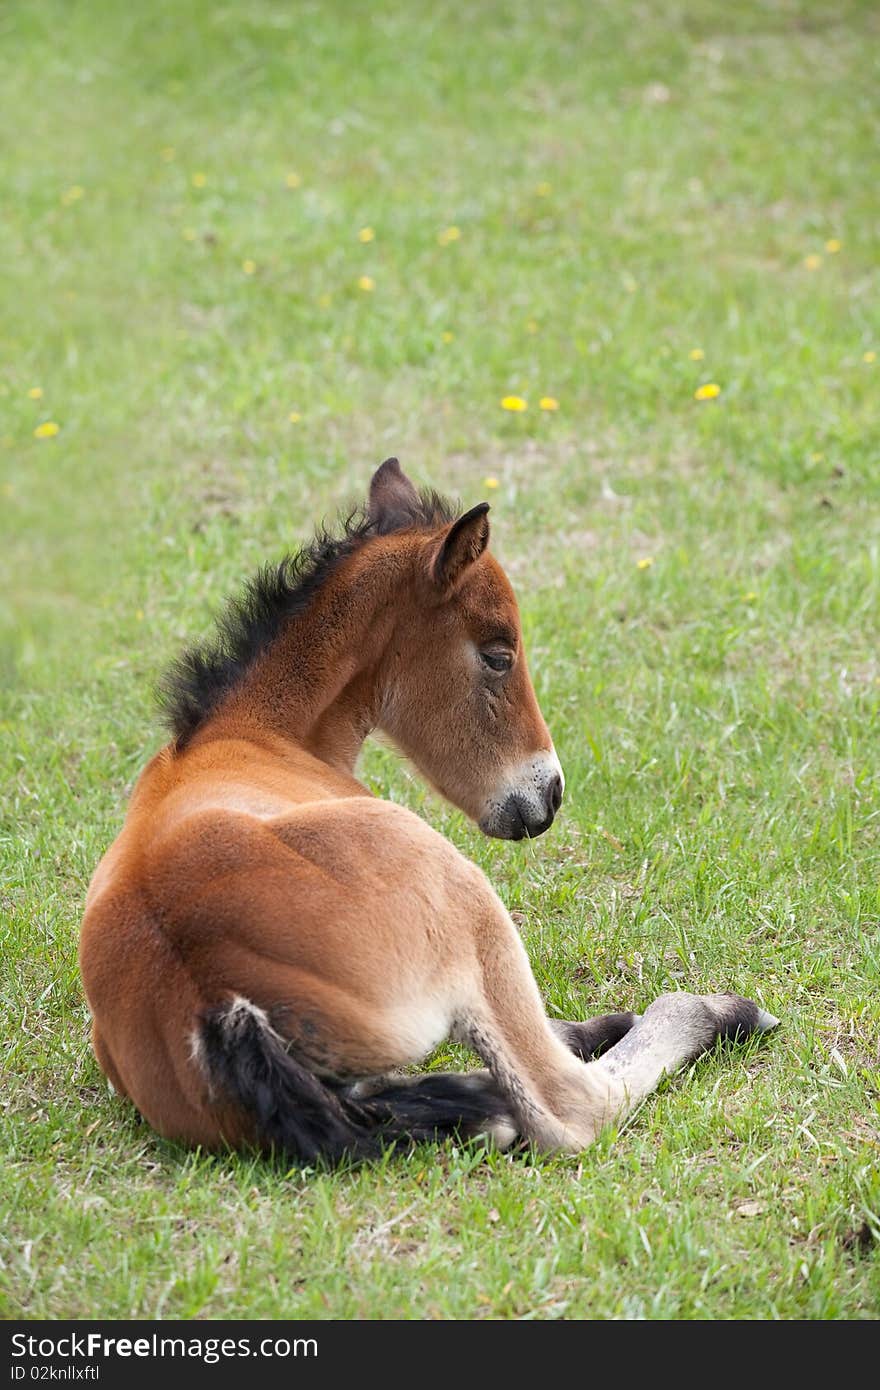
[(265, 940)]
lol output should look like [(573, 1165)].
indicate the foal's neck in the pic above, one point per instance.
[(322, 682)]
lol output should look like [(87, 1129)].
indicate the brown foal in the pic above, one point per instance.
[(265, 941)]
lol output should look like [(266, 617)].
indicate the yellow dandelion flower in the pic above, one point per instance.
[(750, 596), (449, 234), (548, 403), (139, 615), (707, 392), (812, 262), (833, 246), (199, 180), (645, 563), (325, 300), (446, 337), (366, 283), (816, 458), (35, 393), (293, 180), (47, 430), (167, 153), (696, 354), (366, 234), (189, 234), (294, 417), (544, 190), (514, 403), (869, 357), (249, 267), (491, 482), (532, 326), (72, 195)]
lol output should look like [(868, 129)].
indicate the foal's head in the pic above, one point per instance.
[(460, 701)]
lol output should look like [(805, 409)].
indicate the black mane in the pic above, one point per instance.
[(200, 678)]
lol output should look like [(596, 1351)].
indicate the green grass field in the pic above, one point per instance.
[(610, 205)]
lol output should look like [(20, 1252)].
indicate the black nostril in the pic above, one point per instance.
[(554, 793)]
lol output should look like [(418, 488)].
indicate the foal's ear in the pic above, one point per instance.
[(463, 543), (394, 501)]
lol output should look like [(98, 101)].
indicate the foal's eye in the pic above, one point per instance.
[(497, 661)]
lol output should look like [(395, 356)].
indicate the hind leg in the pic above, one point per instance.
[(673, 1030), (476, 1104), (559, 1101), (588, 1039), (467, 1104)]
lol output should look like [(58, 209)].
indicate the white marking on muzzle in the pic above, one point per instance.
[(528, 782)]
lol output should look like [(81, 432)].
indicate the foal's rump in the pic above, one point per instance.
[(290, 951), (145, 1005)]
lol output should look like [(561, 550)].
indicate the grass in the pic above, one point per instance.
[(631, 184)]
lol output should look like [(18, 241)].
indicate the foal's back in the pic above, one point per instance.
[(250, 869)]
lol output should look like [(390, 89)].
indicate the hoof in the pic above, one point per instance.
[(766, 1021), (738, 1017)]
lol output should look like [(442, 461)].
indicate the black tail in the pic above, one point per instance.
[(305, 1118)]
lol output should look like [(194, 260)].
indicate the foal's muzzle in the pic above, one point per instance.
[(526, 806)]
